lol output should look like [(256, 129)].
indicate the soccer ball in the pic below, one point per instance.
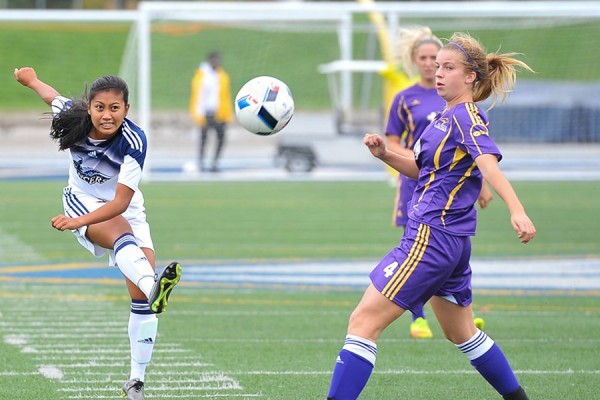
[(264, 105)]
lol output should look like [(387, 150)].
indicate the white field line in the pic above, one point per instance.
[(384, 340), (206, 377), (111, 350), (92, 364), (175, 396), (41, 331), (53, 345), (328, 372), (10, 247), (62, 324), (163, 388), (420, 372), (113, 357)]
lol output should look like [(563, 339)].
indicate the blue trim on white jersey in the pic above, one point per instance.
[(75, 204), (133, 136)]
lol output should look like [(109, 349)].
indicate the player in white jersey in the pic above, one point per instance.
[(103, 205)]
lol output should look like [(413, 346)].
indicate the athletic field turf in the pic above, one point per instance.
[(64, 339)]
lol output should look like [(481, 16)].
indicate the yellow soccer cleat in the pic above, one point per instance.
[(479, 323), (419, 329)]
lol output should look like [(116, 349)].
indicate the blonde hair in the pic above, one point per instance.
[(495, 73), (409, 40)]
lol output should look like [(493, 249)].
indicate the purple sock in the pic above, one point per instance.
[(418, 313), (494, 367), (352, 370), (490, 362)]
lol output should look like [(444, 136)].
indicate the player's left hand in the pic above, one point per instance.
[(484, 198), (523, 226), (62, 223)]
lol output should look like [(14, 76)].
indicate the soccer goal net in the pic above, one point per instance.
[(331, 54)]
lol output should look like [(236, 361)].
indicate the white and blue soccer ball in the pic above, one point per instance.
[(264, 105)]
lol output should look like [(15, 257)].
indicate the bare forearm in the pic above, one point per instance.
[(104, 213), (46, 92), (502, 186), (27, 76), (403, 162)]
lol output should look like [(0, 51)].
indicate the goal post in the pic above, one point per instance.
[(545, 31), (327, 52)]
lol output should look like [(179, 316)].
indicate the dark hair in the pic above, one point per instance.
[(74, 124)]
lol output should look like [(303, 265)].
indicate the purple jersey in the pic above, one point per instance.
[(411, 111), (449, 181)]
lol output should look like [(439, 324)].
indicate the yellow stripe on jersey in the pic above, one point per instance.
[(458, 155), (461, 181), (478, 127), (410, 263), (411, 125), (436, 163)]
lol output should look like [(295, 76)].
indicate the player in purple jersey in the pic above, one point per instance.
[(103, 205), (450, 160), (412, 110)]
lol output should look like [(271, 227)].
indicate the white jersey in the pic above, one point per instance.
[(98, 165)]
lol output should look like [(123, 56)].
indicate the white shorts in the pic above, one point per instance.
[(77, 204)]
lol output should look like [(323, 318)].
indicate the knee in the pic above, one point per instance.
[(361, 324), (458, 337)]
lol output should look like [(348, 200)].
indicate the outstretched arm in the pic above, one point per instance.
[(402, 161), (27, 77), (488, 165)]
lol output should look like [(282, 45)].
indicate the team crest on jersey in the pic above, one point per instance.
[(441, 124), (88, 174)]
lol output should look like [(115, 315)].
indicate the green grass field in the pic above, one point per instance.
[(66, 341), (179, 48), (274, 220), (220, 344), (69, 341)]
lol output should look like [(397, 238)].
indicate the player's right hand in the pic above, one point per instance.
[(375, 144), (25, 76), (62, 223)]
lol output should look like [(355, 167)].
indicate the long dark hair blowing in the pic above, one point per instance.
[(72, 125)]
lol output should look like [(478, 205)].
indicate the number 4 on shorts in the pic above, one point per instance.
[(389, 270)]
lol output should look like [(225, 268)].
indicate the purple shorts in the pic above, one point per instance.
[(404, 191), (427, 262)]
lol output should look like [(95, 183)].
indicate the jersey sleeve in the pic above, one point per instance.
[(131, 173), (134, 146), (395, 122), (59, 104), (472, 124)]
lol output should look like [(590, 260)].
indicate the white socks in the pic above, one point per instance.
[(143, 326), (133, 263)]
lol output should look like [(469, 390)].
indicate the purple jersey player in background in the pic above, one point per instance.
[(410, 113), (450, 160)]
